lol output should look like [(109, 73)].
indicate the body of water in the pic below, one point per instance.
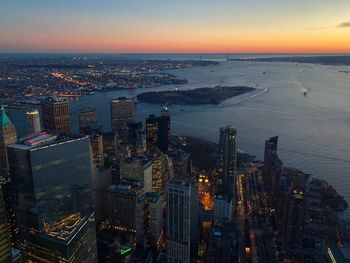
[(313, 130)]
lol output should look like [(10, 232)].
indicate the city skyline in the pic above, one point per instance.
[(181, 27)]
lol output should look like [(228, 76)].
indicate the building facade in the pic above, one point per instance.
[(55, 112), (8, 136), (87, 118), (52, 179), (33, 120), (227, 160), (182, 221), (121, 113)]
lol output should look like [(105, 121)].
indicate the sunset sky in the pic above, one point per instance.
[(175, 26)]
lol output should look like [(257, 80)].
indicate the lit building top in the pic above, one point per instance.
[(42, 139), (4, 118), (66, 228)]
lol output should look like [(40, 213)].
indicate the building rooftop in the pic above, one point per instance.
[(4, 118), (51, 99), (42, 139)]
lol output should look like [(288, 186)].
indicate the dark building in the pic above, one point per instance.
[(55, 113), (222, 244), (87, 118), (158, 131), (7, 136), (272, 165), (121, 113), (227, 160), (7, 195), (5, 241), (295, 219), (52, 178)]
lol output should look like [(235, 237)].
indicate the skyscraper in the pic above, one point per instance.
[(148, 219), (52, 178), (272, 165), (5, 242), (33, 120), (121, 202), (7, 136), (158, 131), (55, 113), (87, 118), (182, 221), (121, 113), (227, 160)]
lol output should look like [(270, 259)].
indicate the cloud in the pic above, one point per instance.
[(345, 24)]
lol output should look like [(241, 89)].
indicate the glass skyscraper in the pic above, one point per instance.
[(52, 178)]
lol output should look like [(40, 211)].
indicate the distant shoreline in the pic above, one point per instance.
[(338, 60)]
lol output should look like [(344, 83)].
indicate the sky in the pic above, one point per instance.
[(179, 26)]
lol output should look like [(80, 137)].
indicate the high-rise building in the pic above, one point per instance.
[(7, 136), (121, 113), (87, 118), (96, 141), (272, 165), (5, 241), (295, 218), (149, 218), (158, 131), (33, 120), (55, 113), (227, 160), (121, 202), (159, 171), (52, 179), (7, 195), (182, 221)]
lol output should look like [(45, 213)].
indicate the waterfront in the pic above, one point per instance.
[(313, 129)]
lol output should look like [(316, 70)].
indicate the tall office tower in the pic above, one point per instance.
[(158, 131), (227, 160), (295, 219), (272, 165), (96, 141), (121, 113), (149, 216), (182, 221), (159, 171), (121, 202), (52, 179), (7, 136), (136, 138), (5, 241), (7, 194), (87, 118), (33, 120), (55, 113)]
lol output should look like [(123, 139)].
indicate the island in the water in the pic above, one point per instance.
[(322, 60), (194, 96)]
